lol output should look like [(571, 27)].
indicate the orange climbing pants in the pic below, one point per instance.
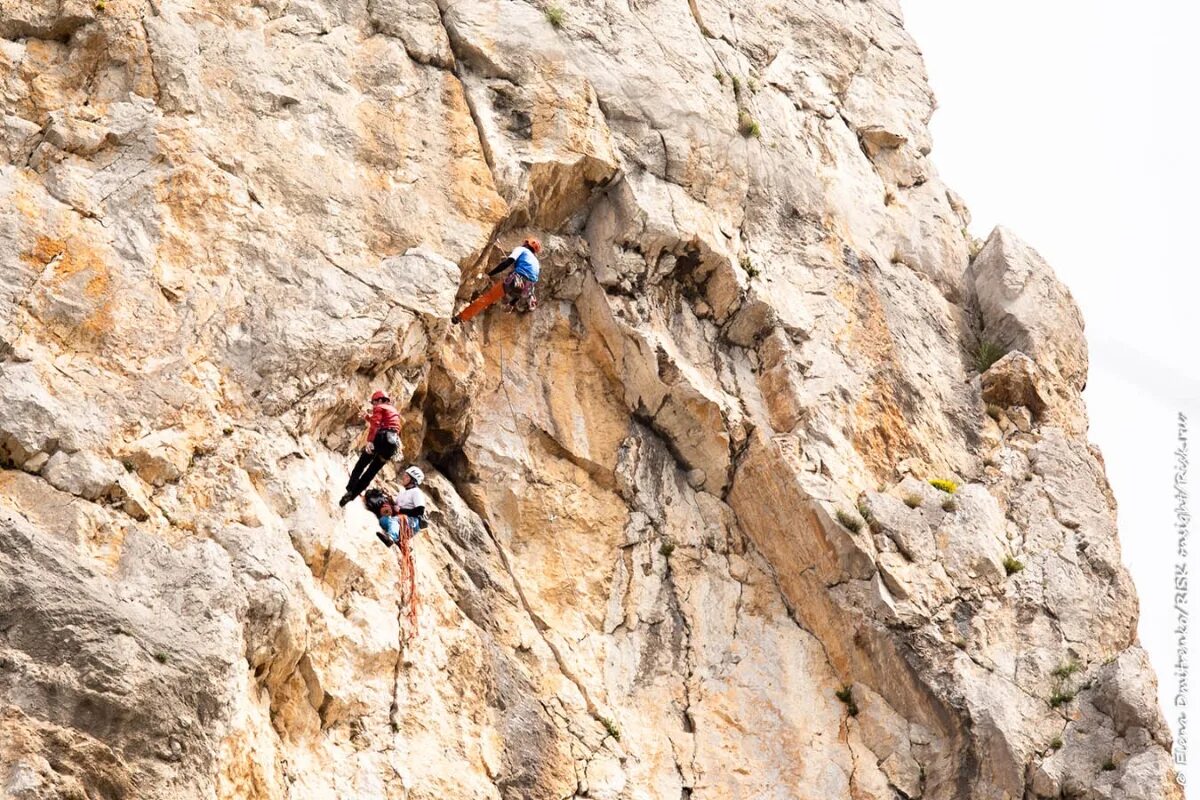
[(488, 298)]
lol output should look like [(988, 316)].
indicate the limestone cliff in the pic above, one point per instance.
[(683, 543)]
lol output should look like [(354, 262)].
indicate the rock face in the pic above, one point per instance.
[(683, 542)]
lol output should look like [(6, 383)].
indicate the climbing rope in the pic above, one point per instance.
[(408, 571)]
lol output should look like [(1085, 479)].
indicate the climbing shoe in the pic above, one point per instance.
[(346, 498), (456, 320), (383, 537)]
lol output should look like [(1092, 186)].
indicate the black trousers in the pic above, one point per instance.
[(369, 464)]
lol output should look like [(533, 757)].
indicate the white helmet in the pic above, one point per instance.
[(416, 474)]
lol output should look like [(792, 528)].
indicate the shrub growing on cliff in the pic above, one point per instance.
[(666, 548), (847, 696), (748, 265), (1061, 697), (1056, 743), (867, 516), (986, 354), (848, 520), (748, 125), (947, 486), (912, 500), (1064, 671), (1012, 565), (555, 16), (611, 728)]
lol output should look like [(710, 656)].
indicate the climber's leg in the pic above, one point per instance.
[(483, 301), (368, 475), (360, 466)]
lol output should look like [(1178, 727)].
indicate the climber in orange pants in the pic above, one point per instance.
[(517, 286)]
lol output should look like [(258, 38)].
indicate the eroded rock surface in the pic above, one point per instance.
[(683, 540)]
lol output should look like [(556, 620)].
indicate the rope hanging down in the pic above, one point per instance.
[(408, 571)]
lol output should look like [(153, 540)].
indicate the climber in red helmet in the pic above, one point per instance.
[(517, 287), (383, 439)]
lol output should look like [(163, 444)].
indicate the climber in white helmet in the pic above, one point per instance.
[(408, 502)]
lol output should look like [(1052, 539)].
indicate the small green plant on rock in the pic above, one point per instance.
[(948, 505), (848, 520), (912, 500), (847, 696), (100, 5), (747, 125), (986, 354), (867, 516), (160, 657), (1066, 670), (611, 728), (1012, 565), (666, 548), (1060, 697), (737, 83), (556, 16), (994, 411), (1056, 743), (748, 265), (1108, 766), (720, 76)]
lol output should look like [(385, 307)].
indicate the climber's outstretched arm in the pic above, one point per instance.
[(503, 265)]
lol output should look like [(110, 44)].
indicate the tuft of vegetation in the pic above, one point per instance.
[(748, 265), (949, 505), (160, 657), (1061, 697), (666, 548), (737, 83), (889, 197), (556, 16), (752, 84), (1108, 766), (748, 125), (849, 521), (720, 76), (986, 354), (912, 500), (100, 5), (867, 516), (1012, 565), (1064, 671), (847, 696), (994, 411), (1056, 743), (947, 486), (611, 728)]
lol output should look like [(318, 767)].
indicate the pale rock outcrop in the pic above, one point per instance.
[(682, 539), (1025, 308)]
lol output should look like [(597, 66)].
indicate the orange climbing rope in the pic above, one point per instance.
[(408, 571), (488, 298)]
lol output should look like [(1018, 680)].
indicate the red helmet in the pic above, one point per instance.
[(534, 245), (380, 395)]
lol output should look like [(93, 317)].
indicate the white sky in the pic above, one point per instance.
[(1073, 123)]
